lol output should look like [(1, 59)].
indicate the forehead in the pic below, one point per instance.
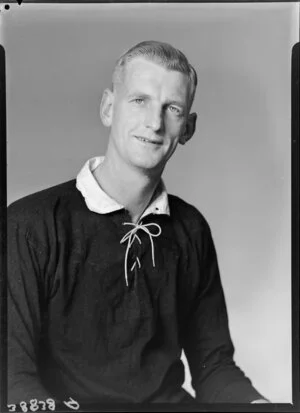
[(146, 76)]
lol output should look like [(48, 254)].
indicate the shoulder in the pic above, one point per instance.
[(40, 207), (187, 214), (43, 200)]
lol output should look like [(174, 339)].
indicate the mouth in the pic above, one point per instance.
[(146, 140)]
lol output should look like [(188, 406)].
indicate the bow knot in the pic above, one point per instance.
[(130, 237)]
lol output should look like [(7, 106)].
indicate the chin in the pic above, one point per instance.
[(148, 165)]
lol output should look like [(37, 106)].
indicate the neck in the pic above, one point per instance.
[(129, 186)]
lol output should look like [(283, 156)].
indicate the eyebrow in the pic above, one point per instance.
[(167, 103), (176, 103), (139, 94)]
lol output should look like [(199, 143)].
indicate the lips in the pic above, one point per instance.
[(147, 140)]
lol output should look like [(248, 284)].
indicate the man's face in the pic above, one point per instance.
[(148, 114)]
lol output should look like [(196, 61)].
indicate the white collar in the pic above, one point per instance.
[(100, 202)]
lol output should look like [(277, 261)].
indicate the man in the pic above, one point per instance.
[(110, 277)]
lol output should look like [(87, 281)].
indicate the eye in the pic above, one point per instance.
[(138, 101), (175, 110)]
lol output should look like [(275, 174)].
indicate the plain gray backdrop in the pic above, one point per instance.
[(237, 168)]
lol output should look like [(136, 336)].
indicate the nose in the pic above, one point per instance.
[(154, 119)]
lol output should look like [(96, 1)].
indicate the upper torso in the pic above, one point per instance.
[(102, 339)]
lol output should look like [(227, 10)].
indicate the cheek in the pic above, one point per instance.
[(127, 119), (134, 121), (174, 127)]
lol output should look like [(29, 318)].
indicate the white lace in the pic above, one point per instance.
[(131, 236)]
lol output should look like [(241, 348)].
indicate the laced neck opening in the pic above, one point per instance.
[(132, 235)]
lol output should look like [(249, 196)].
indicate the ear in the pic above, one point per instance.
[(106, 107), (190, 128)]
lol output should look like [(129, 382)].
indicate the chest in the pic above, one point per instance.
[(89, 281)]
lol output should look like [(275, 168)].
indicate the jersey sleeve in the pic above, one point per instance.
[(25, 297), (207, 343)]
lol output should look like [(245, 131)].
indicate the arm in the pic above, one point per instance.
[(208, 345), (25, 305)]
